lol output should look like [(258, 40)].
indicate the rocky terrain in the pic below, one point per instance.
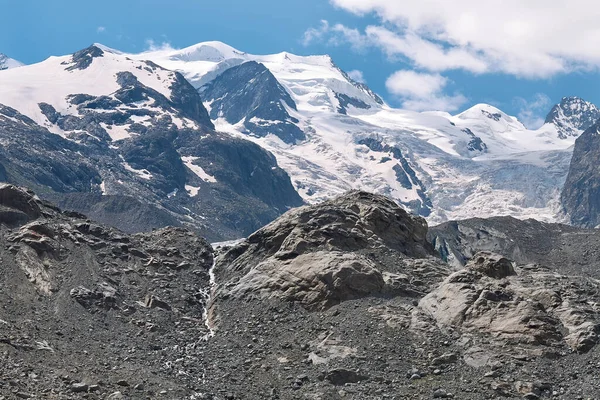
[(343, 300), (567, 248)]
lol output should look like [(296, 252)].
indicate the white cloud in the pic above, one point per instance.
[(151, 45), (422, 91), (532, 112), (101, 29), (425, 54), (335, 35), (357, 76), (315, 34), (414, 84), (532, 39)]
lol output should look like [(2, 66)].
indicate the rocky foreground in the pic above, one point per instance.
[(344, 300)]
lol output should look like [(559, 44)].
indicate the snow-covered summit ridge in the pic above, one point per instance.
[(491, 115), (7, 63), (315, 82)]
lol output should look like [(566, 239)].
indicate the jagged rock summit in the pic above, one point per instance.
[(572, 116)]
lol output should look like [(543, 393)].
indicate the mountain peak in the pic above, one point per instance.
[(106, 49), (214, 51), (572, 116), (7, 62), (483, 110), (84, 58)]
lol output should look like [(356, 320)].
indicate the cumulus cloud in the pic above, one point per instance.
[(532, 112), (357, 76), (423, 91), (101, 29), (532, 39)]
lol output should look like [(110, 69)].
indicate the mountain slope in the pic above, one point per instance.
[(479, 162), (151, 155), (329, 133)]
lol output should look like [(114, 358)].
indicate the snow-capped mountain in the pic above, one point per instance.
[(173, 129), (7, 62), (332, 134), (130, 143), (572, 116)]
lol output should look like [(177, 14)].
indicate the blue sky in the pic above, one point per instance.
[(463, 61)]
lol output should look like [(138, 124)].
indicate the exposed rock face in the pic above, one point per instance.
[(580, 196), (321, 255), (318, 279), (562, 247), (491, 265), (17, 205), (250, 93), (533, 307)]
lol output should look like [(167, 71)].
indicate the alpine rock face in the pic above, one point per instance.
[(131, 144), (332, 134), (581, 194), (7, 62), (572, 116)]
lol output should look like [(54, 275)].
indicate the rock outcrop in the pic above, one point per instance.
[(356, 245), (534, 307)]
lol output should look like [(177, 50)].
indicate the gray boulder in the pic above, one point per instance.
[(356, 245), (533, 307), (492, 265)]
